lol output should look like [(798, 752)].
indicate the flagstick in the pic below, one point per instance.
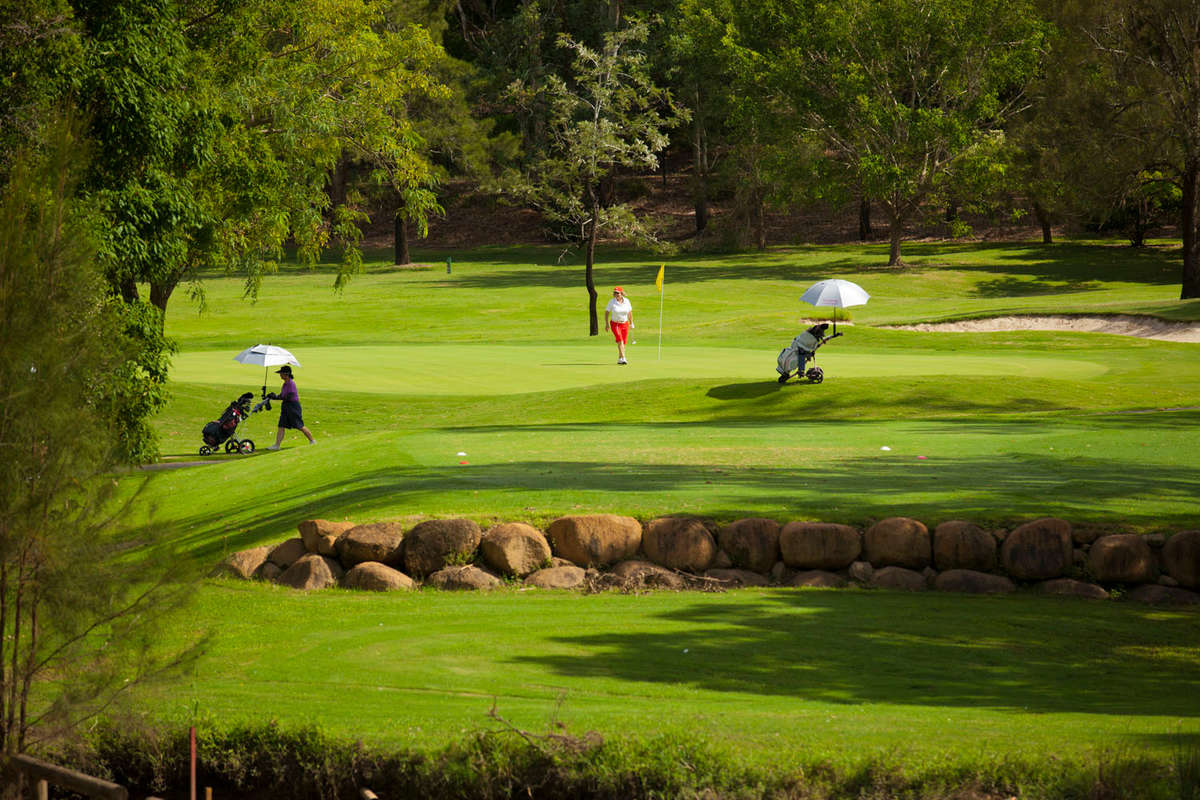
[(661, 292)]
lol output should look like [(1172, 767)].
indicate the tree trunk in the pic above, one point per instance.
[(1191, 267), (129, 289), (1043, 218), (895, 233), (864, 219), (760, 221), (400, 242), (589, 277), (160, 294), (700, 161)]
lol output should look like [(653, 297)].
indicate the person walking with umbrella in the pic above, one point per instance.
[(290, 415)]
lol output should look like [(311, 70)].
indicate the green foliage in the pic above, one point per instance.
[(79, 604)]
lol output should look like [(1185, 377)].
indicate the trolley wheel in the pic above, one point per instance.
[(231, 446), (205, 450), (784, 378), (816, 375), (247, 446)]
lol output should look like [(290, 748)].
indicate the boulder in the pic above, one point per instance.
[(569, 577), (376, 577), (244, 563), (738, 577), (268, 572), (311, 571), (722, 560), (434, 544), (1038, 550), (898, 542), (463, 577), (819, 545), (320, 535), (751, 544), (1181, 558), (1122, 558), (969, 581), (818, 579), (284, 554), (899, 578), (682, 543), (514, 548), (643, 573), (862, 571), (963, 545), (595, 539), (1155, 595), (1074, 588), (375, 541), (781, 573)]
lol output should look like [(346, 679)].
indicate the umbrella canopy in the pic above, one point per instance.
[(837, 293), (266, 355)]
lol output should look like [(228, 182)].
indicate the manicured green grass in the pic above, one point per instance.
[(478, 393), (778, 676)]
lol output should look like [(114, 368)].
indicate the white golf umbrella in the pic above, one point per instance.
[(837, 293), (266, 355)]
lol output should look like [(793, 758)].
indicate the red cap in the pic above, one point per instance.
[(618, 289)]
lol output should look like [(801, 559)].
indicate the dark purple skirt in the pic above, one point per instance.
[(290, 416)]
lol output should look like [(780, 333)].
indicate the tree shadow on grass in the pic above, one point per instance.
[(852, 490), (924, 649)]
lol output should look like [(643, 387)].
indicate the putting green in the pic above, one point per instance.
[(457, 369)]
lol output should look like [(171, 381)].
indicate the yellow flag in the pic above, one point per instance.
[(662, 271)]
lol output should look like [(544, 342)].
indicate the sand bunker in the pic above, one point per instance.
[(1121, 324)]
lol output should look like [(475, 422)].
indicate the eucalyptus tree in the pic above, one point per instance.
[(912, 96), (605, 114), (1151, 50)]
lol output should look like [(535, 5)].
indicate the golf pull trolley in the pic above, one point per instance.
[(222, 432), (802, 350)]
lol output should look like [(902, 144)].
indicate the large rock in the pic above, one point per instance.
[(819, 545), (514, 548), (569, 577), (376, 577), (683, 543), (899, 578), (751, 544), (320, 535), (818, 579), (1181, 558), (1074, 588), (1122, 558), (375, 541), (268, 572), (595, 540), (1038, 550), (284, 554), (963, 545), (464, 577), (971, 581), (437, 543), (244, 563), (898, 542), (738, 577), (643, 573), (311, 571), (1156, 595)]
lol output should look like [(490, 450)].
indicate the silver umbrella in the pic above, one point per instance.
[(837, 293), (265, 356)]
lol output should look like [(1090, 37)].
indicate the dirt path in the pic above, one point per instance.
[(1121, 324)]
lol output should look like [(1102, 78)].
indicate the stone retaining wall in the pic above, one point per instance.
[(677, 552)]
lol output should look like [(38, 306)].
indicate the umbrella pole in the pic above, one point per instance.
[(835, 319)]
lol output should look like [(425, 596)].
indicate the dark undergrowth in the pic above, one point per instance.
[(266, 761)]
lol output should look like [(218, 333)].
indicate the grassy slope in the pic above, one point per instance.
[(410, 367)]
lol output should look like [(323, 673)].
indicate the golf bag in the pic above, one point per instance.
[(223, 430), (792, 359)]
